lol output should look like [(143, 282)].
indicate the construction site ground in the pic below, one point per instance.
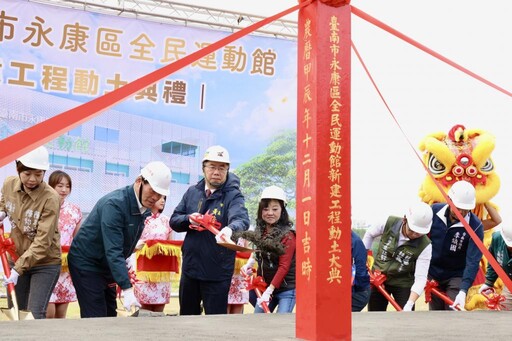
[(421, 325)]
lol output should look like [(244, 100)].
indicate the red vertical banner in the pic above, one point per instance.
[(323, 174)]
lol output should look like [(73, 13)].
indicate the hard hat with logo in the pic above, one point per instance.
[(462, 194), (274, 192), (217, 154), (419, 218), (506, 234), (158, 175), (36, 159)]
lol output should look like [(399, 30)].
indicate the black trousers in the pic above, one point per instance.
[(96, 293), (213, 294), (378, 302)]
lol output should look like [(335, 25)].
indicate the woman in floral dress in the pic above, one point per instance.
[(238, 295), (70, 217), (154, 295)]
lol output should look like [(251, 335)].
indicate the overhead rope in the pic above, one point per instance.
[(422, 47), (26, 140), (492, 261)]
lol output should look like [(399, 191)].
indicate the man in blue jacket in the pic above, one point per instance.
[(98, 253), (207, 268), (455, 256), (360, 276)]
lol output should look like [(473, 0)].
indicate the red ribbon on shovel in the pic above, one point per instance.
[(208, 222), (377, 279), (493, 299), (7, 246), (257, 284), (431, 288)]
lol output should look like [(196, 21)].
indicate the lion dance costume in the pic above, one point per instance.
[(462, 154)]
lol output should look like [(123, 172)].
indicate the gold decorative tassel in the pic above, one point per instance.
[(159, 249), (154, 276)]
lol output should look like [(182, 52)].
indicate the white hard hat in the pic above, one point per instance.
[(217, 154), (419, 218), (274, 192), (158, 175), (463, 196), (36, 159), (506, 234)]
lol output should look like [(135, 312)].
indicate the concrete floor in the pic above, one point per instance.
[(422, 325)]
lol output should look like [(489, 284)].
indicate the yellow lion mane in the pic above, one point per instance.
[(462, 154)]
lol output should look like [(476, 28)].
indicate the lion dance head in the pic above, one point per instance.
[(462, 154)]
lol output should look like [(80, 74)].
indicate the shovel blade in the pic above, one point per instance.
[(26, 315), (15, 315), (11, 314)]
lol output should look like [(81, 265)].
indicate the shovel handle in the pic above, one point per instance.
[(7, 272), (264, 304), (376, 280), (5, 263), (445, 298)]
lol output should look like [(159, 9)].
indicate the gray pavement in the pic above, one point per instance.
[(422, 325)]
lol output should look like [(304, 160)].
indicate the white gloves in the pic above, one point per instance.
[(2, 215), (139, 244), (483, 288), (460, 300), (224, 235), (13, 278), (129, 299), (265, 297), (130, 262), (408, 306), (246, 270)]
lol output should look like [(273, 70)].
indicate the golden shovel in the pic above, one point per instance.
[(14, 313)]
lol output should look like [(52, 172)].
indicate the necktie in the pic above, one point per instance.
[(208, 193)]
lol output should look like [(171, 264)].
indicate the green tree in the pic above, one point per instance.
[(276, 166)]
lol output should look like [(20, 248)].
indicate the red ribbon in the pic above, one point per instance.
[(7, 246), (494, 300), (206, 221), (26, 140), (422, 47), (255, 282), (377, 279), (431, 288)]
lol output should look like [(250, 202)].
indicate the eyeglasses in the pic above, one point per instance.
[(212, 169)]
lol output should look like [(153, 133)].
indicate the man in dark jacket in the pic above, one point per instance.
[(98, 253), (455, 256), (207, 268)]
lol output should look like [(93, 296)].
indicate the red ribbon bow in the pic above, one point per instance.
[(256, 282), (377, 278), (431, 287), (494, 300), (428, 290), (7, 246), (206, 221)]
